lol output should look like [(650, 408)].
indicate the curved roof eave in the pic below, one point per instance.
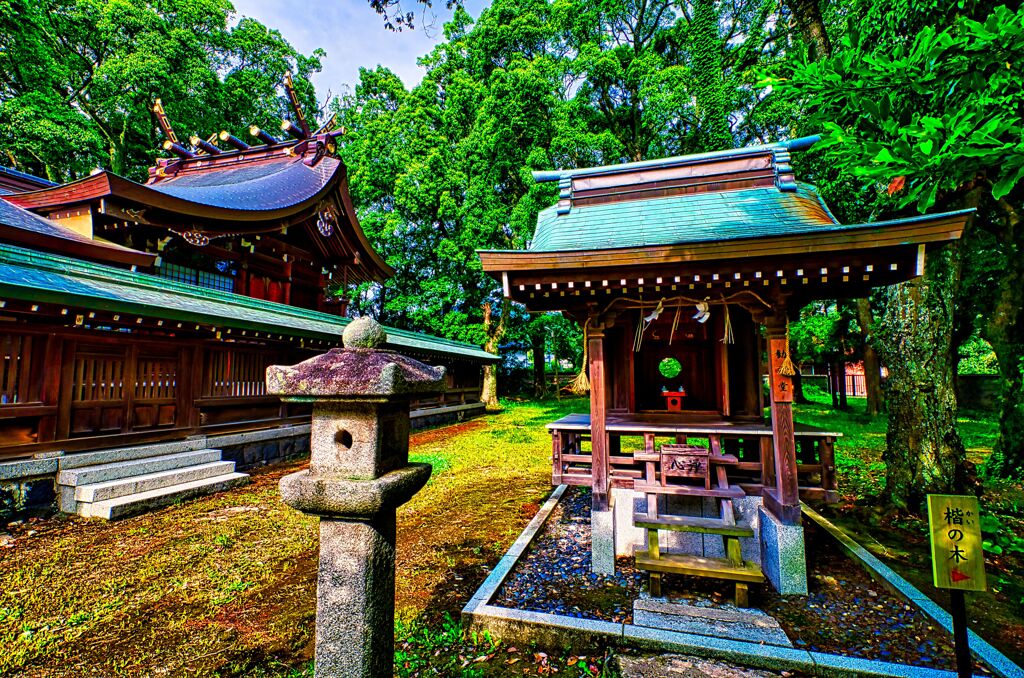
[(106, 184)]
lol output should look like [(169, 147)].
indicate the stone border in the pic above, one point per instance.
[(522, 627), (900, 587)]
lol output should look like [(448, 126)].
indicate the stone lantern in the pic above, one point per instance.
[(359, 473)]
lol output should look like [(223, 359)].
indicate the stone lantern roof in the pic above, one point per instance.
[(357, 371)]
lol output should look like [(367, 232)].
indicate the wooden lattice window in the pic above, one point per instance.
[(16, 383), (98, 377), (156, 378), (233, 374)]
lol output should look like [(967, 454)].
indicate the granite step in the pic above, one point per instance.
[(133, 504), (87, 475), (120, 454), (112, 489), (717, 621)]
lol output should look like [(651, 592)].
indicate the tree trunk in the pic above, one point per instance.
[(841, 383), (872, 369), (1005, 331), (538, 364), (807, 15), (833, 383), (710, 96), (924, 453), (489, 392)]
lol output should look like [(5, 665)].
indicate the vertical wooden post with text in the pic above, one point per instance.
[(598, 411), (784, 499)]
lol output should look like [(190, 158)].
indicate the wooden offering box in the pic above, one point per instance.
[(674, 400)]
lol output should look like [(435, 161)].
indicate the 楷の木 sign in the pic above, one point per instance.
[(958, 561)]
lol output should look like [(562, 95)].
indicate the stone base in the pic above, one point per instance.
[(602, 541), (733, 623), (783, 558)]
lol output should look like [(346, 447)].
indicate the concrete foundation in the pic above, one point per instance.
[(783, 557), (602, 540)]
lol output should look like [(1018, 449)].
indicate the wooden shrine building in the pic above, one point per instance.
[(139, 313), (684, 273)]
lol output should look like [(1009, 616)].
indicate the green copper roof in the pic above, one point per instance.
[(33, 276), (697, 217)]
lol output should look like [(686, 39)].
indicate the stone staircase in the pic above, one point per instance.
[(121, 482)]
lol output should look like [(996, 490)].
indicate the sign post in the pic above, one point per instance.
[(958, 562)]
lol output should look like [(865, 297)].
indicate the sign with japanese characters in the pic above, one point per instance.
[(957, 558), (782, 386)]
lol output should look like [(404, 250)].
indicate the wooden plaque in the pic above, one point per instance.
[(782, 386), (958, 561)]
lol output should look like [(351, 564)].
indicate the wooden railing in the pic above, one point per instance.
[(755, 470), (453, 396)]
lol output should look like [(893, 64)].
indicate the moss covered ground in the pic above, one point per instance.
[(224, 585)]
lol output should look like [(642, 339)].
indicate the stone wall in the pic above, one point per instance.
[(27, 487)]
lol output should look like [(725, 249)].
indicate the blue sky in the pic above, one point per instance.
[(353, 35)]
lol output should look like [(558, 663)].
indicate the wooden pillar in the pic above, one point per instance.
[(783, 500), (49, 393), (598, 412)]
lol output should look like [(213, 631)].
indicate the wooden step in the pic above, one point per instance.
[(731, 492), (692, 524), (699, 566)]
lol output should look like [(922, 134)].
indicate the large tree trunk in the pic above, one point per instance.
[(807, 15), (798, 388), (489, 392), (1005, 331), (872, 369), (710, 95), (924, 453)]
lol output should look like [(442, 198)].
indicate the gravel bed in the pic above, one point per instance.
[(846, 613), (554, 575)]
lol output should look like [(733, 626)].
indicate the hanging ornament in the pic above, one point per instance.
[(325, 223), (703, 312), (196, 239), (728, 337), (675, 324), (786, 369)]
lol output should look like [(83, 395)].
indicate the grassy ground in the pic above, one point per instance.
[(225, 585)]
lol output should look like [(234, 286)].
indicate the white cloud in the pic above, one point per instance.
[(353, 36)]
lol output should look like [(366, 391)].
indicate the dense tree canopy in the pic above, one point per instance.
[(78, 78), (919, 104)]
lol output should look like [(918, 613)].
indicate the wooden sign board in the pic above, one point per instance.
[(782, 386), (958, 561)]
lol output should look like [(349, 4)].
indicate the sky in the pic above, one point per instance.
[(353, 35)]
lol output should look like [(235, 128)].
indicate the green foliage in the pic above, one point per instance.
[(920, 104), (78, 77), (977, 357), (443, 170)]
